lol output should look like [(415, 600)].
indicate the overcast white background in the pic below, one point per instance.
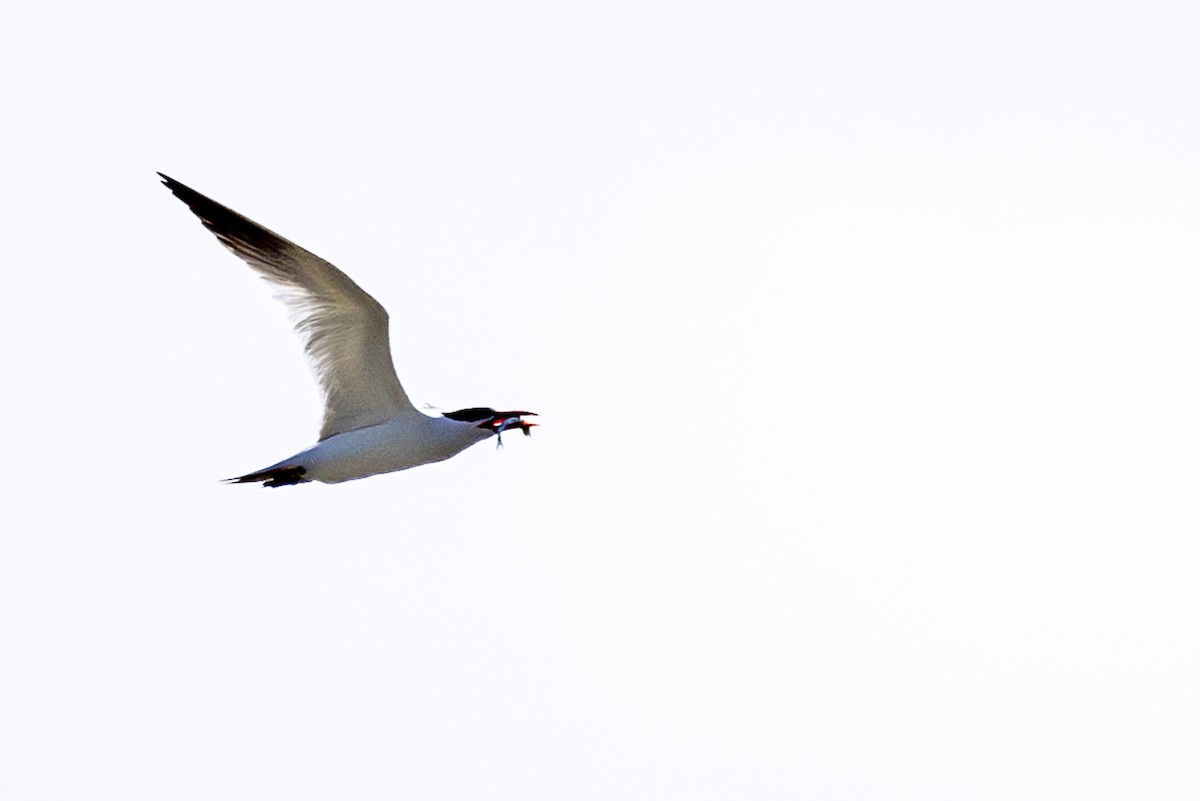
[(864, 337)]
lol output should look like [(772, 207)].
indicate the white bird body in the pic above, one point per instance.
[(384, 448), (370, 426)]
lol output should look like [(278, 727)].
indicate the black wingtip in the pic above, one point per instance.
[(240, 234), (179, 189)]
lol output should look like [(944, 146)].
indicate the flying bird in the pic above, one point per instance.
[(370, 426)]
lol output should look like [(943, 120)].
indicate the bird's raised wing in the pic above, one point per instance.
[(345, 330)]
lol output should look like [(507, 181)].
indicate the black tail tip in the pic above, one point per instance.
[(275, 477)]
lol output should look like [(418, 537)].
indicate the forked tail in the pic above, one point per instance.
[(272, 477)]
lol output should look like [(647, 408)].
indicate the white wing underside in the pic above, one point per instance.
[(345, 330)]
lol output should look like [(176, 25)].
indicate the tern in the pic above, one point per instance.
[(370, 426)]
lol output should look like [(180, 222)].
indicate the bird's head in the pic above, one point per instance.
[(493, 421)]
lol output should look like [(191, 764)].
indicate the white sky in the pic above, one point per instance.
[(865, 340)]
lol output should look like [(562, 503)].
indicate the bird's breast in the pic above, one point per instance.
[(384, 448)]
